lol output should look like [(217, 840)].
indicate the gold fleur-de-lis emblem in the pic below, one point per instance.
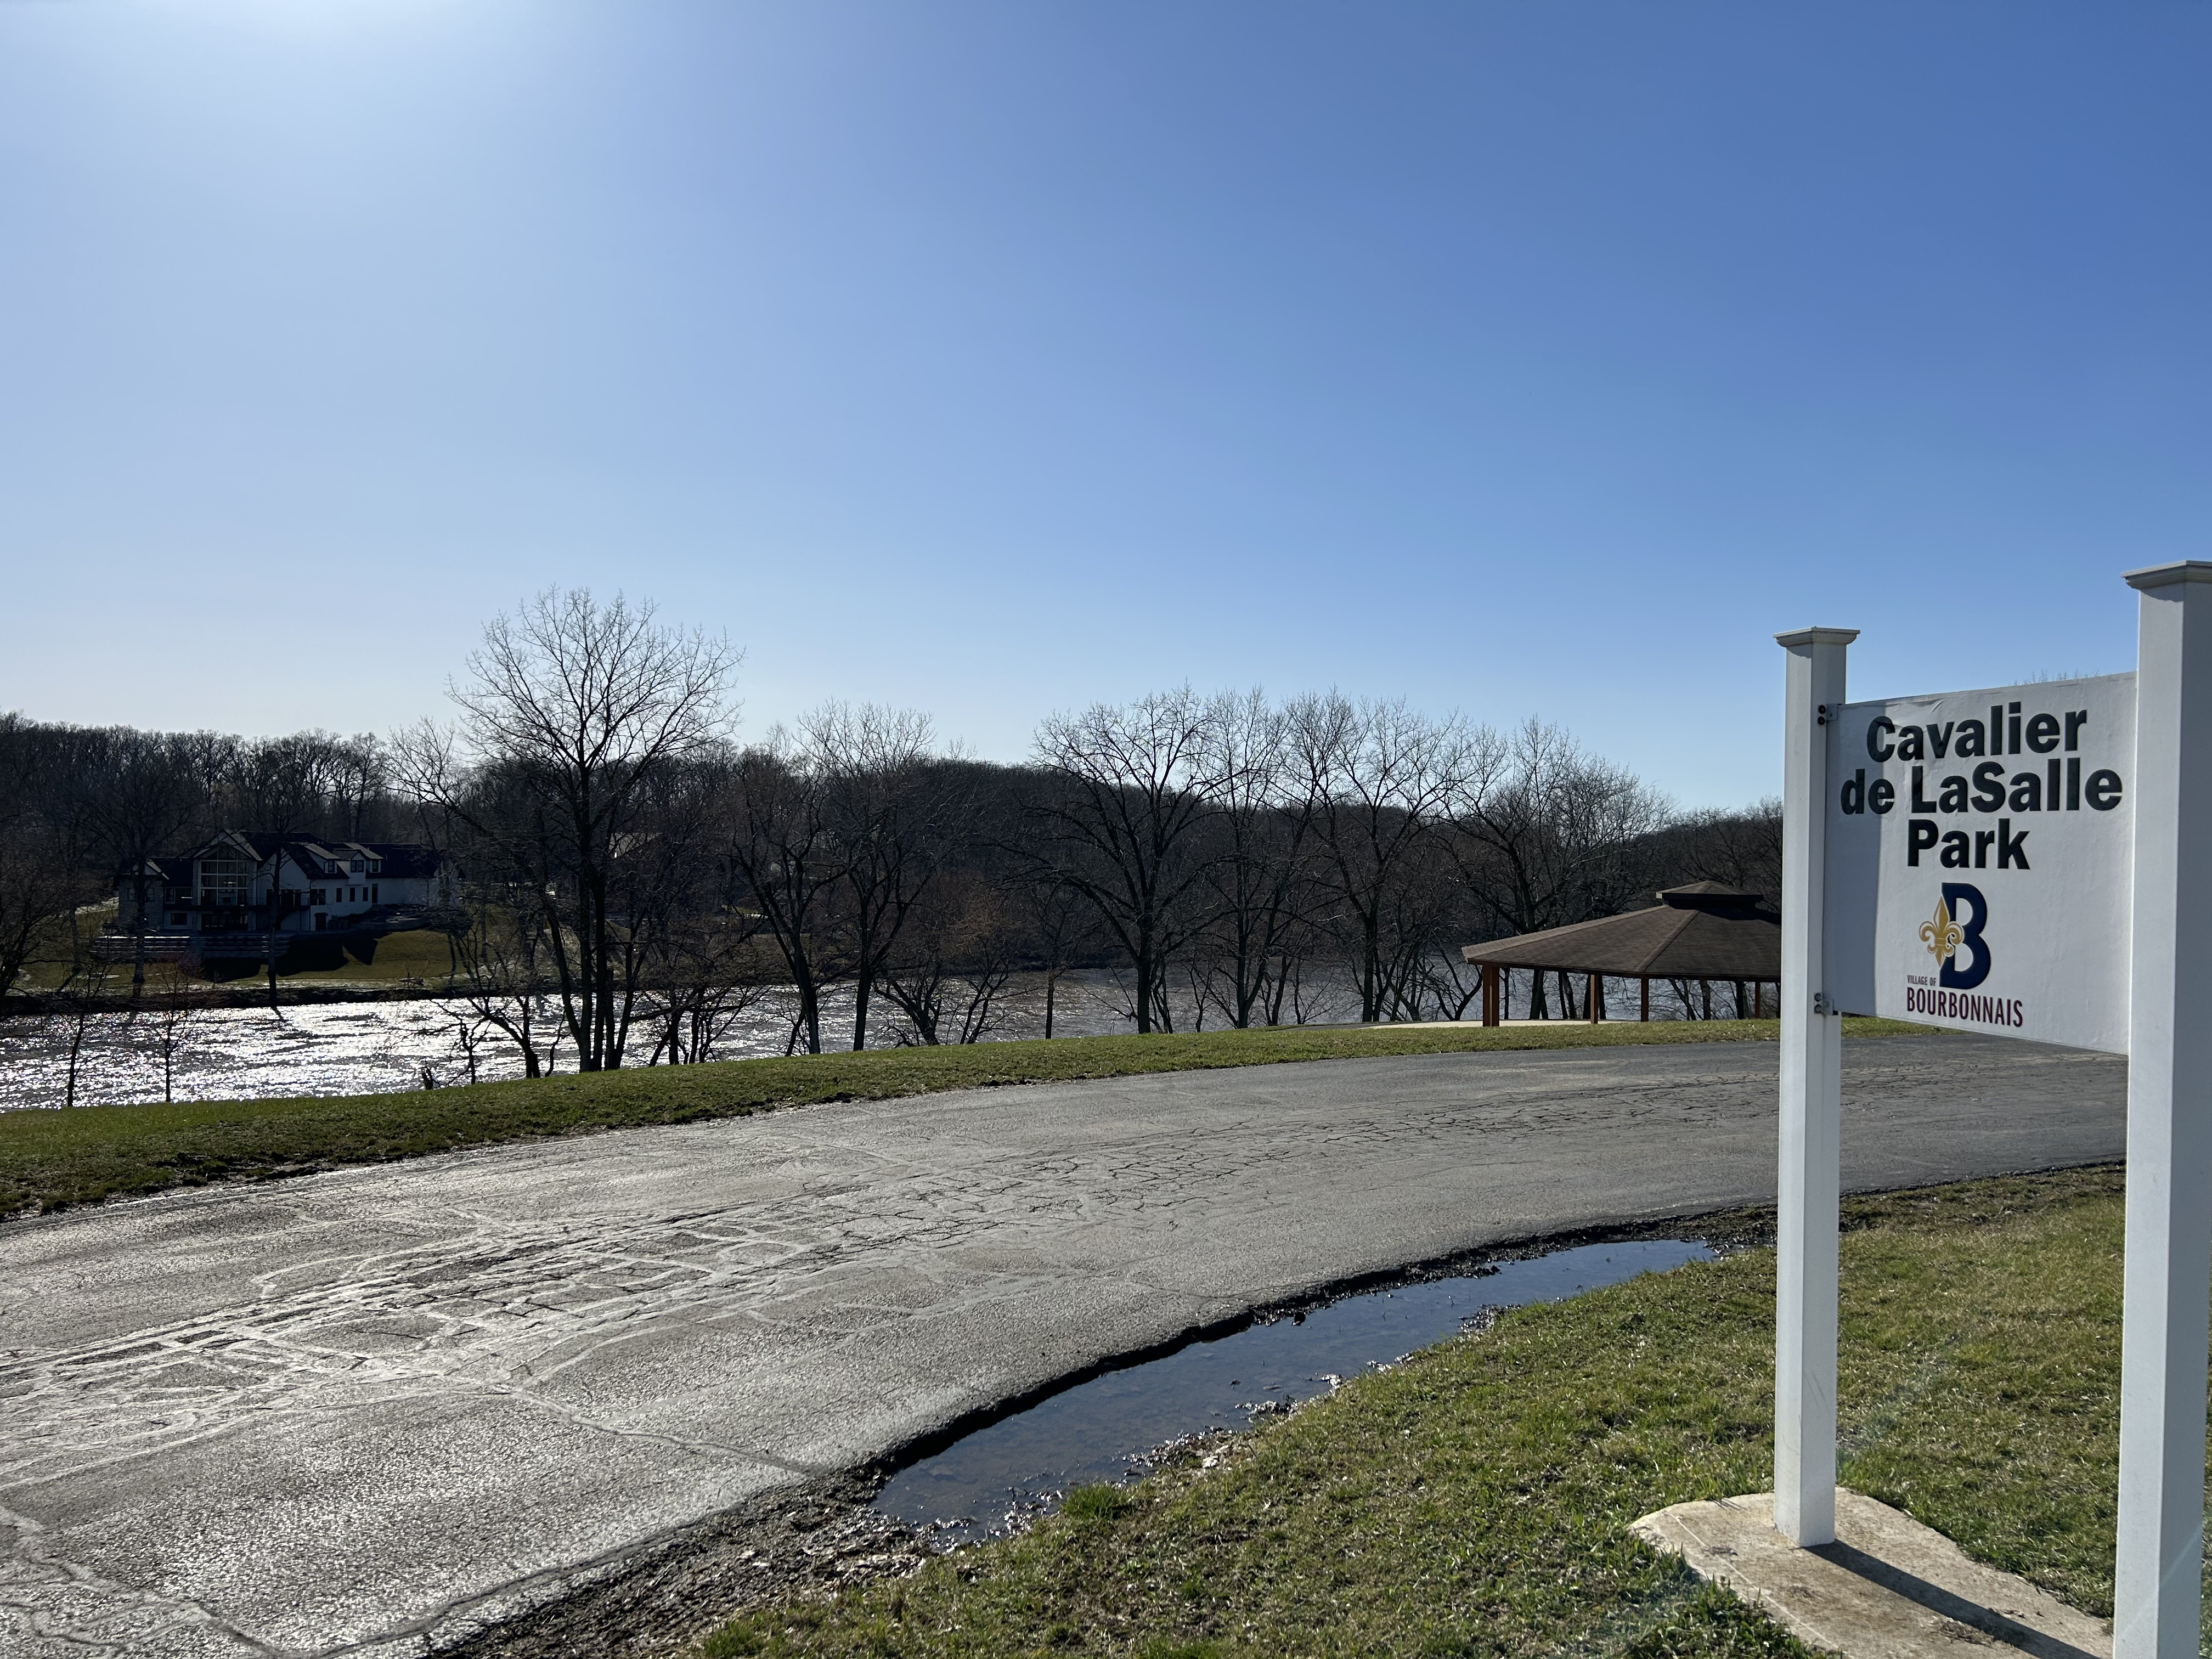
[(1943, 936)]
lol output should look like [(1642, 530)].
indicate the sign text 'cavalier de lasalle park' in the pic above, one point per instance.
[(1979, 856), (2032, 861)]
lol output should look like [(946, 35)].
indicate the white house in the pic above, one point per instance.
[(240, 883)]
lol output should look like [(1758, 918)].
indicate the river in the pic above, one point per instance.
[(364, 1047)]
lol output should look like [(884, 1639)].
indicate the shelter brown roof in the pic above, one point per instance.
[(1700, 931)]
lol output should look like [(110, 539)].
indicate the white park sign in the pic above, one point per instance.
[(2017, 862), (1979, 849)]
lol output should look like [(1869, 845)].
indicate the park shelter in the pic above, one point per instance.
[(1700, 933)]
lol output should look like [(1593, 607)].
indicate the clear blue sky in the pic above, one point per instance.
[(996, 358)]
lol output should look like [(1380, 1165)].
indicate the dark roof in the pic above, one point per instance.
[(402, 861), (406, 860), (312, 855), (1700, 931)]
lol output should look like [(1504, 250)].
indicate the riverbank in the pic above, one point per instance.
[(234, 994), (1475, 1499), (51, 1160), (408, 961)]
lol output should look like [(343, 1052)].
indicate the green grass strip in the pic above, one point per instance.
[(52, 1159), (1473, 1501)]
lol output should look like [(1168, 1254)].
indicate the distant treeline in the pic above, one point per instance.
[(629, 869)]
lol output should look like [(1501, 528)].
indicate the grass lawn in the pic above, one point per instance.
[(311, 959), (418, 953), (51, 1160), (1473, 1500)]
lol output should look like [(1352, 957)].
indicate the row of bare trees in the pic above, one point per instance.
[(1233, 858), (1246, 845), (634, 876)]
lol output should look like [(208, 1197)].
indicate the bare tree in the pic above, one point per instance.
[(502, 968), (1741, 849), (312, 782), (777, 836), (42, 874), (140, 790), (954, 961), (705, 965), (890, 813), (278, 783), (666, 893), (1430, 914), (1134, 786), (1060, 927), (39, 890), (577, 709), (1546, 835), (357, 774), (693, 1015), (176, 1012), (1380, 778), (77, 1008), (1259, 872)]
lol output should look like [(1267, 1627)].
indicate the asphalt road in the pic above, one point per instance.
[(373, 1410)]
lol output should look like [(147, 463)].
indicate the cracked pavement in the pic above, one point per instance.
[(376, 1410)]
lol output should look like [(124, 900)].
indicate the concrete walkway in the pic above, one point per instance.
[(368, 1410)]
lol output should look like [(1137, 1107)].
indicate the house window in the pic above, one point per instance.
[(225, 881), (372, 895), (176, 918)]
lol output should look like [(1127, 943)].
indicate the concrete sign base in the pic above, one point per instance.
[(1888, 1588)]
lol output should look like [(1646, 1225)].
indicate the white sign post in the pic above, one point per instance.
[(2015, 862), (2169, 1229), (1812, 1109)]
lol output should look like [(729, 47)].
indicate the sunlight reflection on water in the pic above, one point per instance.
[(337, 1049), (365, 1047)]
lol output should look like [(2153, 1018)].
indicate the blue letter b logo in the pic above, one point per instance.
[(1959, 974)]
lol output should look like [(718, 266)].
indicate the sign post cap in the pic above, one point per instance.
[(1828, 636), (2165, 576)]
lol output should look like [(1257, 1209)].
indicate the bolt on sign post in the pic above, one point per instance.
[(2011, 861)]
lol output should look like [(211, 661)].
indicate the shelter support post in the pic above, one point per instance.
[(1812, 1088), (1597, 998), (1646, 982), (1489, 1013), (2169, 1206)]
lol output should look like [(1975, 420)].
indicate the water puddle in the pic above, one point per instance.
[(1105, 1429)]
